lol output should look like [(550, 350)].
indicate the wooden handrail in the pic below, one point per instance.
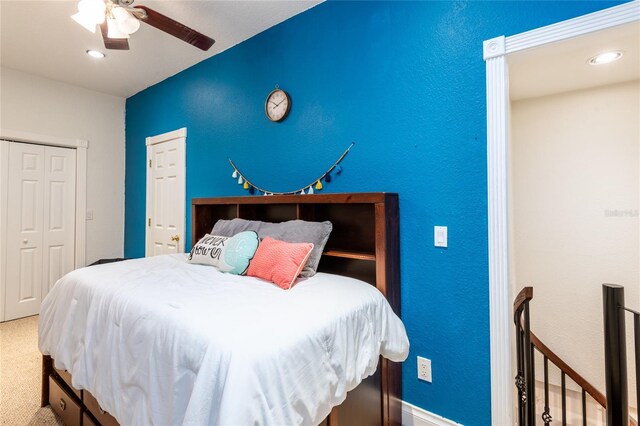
[(566, 369), (525, 295)]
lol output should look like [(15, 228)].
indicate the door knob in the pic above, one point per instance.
[(175, 238), (25, 241)]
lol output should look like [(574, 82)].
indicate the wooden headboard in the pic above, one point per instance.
[(363, 244)]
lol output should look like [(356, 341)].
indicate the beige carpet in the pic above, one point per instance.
[(20, 375)]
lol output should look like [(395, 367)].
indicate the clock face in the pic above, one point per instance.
[(277, 105)]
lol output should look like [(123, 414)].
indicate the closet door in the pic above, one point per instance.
[(24, 230), (58, 248), (40, 224)]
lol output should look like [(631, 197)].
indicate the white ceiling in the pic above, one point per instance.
[(39, 37), (563, 67)]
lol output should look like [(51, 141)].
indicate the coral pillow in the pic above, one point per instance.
[(279, 262)]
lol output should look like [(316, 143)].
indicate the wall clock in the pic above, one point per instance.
[(277, 105)]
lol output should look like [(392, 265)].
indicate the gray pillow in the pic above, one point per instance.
[(293, 231)]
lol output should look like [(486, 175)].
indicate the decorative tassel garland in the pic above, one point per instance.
[(246, 184)]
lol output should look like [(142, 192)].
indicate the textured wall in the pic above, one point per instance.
[(406, 81), (33, 104), (576, 187)]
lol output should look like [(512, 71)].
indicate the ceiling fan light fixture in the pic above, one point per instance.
[(93, 9), (113, 31), (127, 23), (86, 21)]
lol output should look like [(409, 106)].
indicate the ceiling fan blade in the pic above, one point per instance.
[(113, 43), (176, 29)]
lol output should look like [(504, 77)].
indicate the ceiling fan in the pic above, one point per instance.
[(118, 19)]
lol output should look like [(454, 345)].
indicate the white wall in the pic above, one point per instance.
[(37, 105), (575, 191)]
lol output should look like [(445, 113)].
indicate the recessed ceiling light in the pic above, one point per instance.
[(605, 58), (95, 54)]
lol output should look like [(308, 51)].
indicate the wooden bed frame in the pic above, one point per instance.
[(363, 244)]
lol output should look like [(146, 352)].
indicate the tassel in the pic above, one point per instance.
[(302, 192), (240, 180), (310, 190), (265, 194), (246, 185), (338, 169), (252, 190), (235, 174), (327, 178), (318, 185)]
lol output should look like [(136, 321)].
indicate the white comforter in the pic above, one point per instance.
[(160, 341)]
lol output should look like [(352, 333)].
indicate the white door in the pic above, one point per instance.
[(40, 224), (58, 248), (24, 231), (166, 193)]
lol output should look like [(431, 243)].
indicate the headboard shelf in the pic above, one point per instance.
[(350, 254), (363, 245)]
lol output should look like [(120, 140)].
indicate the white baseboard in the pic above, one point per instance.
[(416, 416)]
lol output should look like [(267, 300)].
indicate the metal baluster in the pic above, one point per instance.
[(529, 374), (522, 396), (532, 390), (615, 355), (584, 407), (546, 417), (564, 400)]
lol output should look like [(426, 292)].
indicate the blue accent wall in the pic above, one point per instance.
[(406, 82)]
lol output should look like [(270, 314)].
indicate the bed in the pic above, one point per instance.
[(363, 247)]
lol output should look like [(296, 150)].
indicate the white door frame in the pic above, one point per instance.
[(81, 146), (153, 140), (500, 299)]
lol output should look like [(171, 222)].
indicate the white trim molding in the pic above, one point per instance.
[(495, 52), (4, 178), (18, 136), (166, 137), (596, 21), (81, 205), (416, 416), (81, 146), (493, 48), (499, 289)]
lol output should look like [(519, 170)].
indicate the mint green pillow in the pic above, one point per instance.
[(229, 254)]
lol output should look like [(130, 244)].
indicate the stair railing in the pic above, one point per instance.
[(526, 345)]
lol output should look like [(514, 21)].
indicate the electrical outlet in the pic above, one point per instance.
[(424, 369)]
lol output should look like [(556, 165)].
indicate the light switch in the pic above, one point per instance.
[(440, 236), (89, 214)]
